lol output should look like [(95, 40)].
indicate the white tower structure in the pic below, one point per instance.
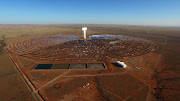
[(84, 30)]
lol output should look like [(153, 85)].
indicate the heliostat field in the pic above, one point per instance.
[(70, 48)]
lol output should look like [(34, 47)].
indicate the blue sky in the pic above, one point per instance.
[(123, 12)]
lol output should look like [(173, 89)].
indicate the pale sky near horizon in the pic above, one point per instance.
[(123, 12)]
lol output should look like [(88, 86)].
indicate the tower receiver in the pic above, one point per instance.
[(84, 30)]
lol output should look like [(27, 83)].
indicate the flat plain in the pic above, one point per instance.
[(165, 72)]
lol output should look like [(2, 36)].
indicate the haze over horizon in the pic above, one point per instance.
[(121, 12)]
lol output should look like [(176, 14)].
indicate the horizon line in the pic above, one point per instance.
[(99, 24)]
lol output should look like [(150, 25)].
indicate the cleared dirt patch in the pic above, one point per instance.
[(60, 66), (95, 65), (78, 66), (123, 85), (64, 87)]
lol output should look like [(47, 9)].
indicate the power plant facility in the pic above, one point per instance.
[(66, 67)]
